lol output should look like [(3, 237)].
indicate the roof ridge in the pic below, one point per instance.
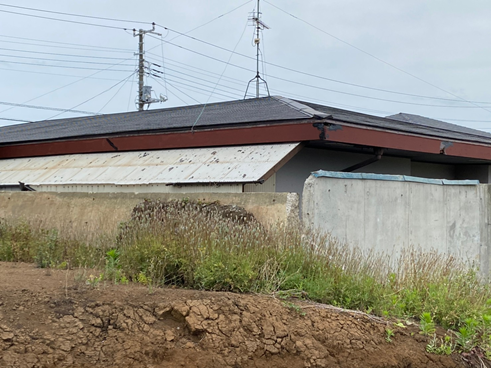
[(307, 110)]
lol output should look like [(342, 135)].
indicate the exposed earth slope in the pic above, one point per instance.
[(51, 318)]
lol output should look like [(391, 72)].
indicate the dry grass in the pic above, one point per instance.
[(197, 246)]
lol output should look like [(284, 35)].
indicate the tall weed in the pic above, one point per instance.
[(212, 247)]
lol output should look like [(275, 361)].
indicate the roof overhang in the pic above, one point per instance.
[(307, 130)]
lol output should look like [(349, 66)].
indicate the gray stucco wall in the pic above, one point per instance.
[(434, 171), (291, 177), (389, 216), (477, 172)]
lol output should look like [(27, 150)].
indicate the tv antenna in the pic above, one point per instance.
[(259, 25), (145, 92)]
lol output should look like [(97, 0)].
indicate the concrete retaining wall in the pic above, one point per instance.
[(391, 213), (100, 213)]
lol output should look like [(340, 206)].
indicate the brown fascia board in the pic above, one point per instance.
[(304, 131)]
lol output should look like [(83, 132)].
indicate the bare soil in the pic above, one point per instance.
[(51, 318)]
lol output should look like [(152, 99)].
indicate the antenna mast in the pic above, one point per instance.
[(260, 25), (144, 92)]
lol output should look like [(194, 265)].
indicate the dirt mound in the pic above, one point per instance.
[(49, 319)]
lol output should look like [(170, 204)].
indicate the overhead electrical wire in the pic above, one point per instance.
[(327, 89), (185, 34), (72, 14), (220, 78), (214, 19), (185, 94), (17, 120), (176, 96), (62, 20), (68, 55), (45, 108), (132, 82), (56, 74), (458, 99), (63, 66), (60, 60), (89, 46), (64, 86), (379, 59), (205, 90), (57, 43), (90, 99), (197, 78), (119, 89)]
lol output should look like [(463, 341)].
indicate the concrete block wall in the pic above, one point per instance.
[(390, 213), (77, 214)]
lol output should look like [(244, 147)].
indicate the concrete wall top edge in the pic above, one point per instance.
[(386, 177)]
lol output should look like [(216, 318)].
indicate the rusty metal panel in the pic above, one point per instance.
[(233, 164)]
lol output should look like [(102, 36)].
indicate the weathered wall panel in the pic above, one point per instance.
[(391, 215), (93, 214)]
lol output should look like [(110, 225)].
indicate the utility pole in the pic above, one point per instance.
[(259, 25), (257, 41), (144, 92)]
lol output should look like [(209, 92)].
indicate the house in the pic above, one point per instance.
[(269, 144)]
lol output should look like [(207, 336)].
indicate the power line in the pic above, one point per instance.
[(202, 71), (72, 14), (62, 20), (214, 19), (379, 59), (179, 98), (208, 91), (327, 89), (219, 79), (64, 66), (64, 86), (56, 74), (200, 90), (185, 94), (119, 89), (45, 108), (201, 79), (90, 99), (104, 48), (18, 120), (459, 99), (60, 60), (58, 54)]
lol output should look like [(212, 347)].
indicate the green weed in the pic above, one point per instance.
[(200, 246), (389, 334)]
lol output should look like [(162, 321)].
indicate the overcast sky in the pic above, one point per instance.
[(433, 48)]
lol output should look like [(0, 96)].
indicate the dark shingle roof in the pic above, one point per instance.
[(437, 124), (218, 114), (407, 123), (252, 111)]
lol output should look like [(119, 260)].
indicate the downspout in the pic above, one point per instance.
[(378, 155)]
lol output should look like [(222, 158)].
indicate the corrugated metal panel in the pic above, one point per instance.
[(237, 164), (152, 188), (269, 186)]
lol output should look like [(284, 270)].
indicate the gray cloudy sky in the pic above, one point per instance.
[(443, 43)]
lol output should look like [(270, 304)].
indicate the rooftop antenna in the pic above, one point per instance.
[(260, 25), (145, 92)]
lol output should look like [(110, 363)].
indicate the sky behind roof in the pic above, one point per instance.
[(341, 53)]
